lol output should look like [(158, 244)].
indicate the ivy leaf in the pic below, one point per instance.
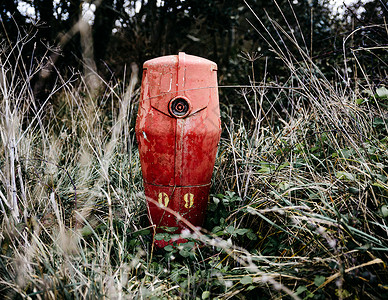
[(184, 252), (301, 289), (159, 236), (319, 280), (190, 245), (216, 200), (169, 248), (231, 230)]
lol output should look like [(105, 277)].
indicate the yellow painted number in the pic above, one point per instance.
[(163, 199), (189, 199)]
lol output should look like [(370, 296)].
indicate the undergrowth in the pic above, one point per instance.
[(298, 206)]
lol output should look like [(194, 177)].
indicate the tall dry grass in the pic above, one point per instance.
[(300, 192)]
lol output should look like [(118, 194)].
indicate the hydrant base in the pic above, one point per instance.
[(171, 206)]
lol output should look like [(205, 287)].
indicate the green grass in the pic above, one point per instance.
[(299, 206)]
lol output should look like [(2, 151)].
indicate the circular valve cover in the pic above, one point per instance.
[(179, 107)]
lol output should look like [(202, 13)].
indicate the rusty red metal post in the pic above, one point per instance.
[(178, 130)]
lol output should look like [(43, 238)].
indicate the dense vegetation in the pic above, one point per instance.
[(299, 201)]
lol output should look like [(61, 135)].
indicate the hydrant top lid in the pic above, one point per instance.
[(177, 59), (189, 79)]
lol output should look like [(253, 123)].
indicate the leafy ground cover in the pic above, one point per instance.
[(299, 201)]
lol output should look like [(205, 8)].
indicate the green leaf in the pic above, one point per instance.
[(231, 230), (378, 121), (368, 93), (216, 229), (319, 280), (141, 232), (185, 252), (212, 207), (170, 229), (86, 231), (284, 165), (230, 194), (301, 289), (382, 92), (189, 245), (353, 190), (205, 295), (246, 280), (343, 293), (251, 235), (159, 236), (346, 152), (384, 211), (382, 178), (378, 185), (241, 231), (344, 175), (360, 101), (169, 248), (264, 170), (284, 185)]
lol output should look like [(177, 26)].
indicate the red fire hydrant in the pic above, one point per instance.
[(178, 128)]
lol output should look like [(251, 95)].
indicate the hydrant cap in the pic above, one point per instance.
[(179, 85), (173, 59)]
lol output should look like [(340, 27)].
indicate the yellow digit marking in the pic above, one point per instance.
[(163, 196), (189, 198)]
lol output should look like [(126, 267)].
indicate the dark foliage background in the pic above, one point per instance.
[(225, 31)]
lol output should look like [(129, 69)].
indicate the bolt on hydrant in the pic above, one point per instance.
[(178, 129)]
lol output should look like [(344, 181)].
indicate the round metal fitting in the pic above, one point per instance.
[(179, 107)]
